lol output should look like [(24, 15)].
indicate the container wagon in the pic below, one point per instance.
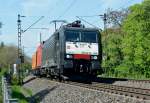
[(37, 60), (34, 63)]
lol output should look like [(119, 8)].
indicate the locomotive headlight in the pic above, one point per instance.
[(69, 56), (94, 57)]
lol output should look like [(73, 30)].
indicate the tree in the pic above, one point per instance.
[(9, 55), (2, 45), (126, 45), (112, 49), (136, 42), (112, 40), (116, 17)]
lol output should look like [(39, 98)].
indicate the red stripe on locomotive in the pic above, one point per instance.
[(82, 56)]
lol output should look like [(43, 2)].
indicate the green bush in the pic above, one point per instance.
[(17, 93), (15, 80), (1, 99)]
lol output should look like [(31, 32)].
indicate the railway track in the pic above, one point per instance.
[(123, 79), (139, 81), (104, 84), (139, 93), (121, 90)]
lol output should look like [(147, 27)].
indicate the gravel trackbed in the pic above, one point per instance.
[(47, 91)]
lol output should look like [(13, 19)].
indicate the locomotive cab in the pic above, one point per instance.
[(82, 50)]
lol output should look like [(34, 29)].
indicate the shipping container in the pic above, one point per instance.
[(39, 56), (34, 60)]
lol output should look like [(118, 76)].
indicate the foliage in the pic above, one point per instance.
[(127, 52), (8, 55), (112, 50), (17, 93), (14, 80), (2, 72), (136, 42), (1, 99)]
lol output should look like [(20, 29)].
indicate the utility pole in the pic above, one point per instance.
[(105, 29), (104, 17), (19, 48), (20, 56), (23, 55), (19, 37), (105, 23)]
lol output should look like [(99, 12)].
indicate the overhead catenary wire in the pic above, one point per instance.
[(67, 9), (87, 22), (53, 7), (33, 23), (30, 47), (89, 16), (128, 2)]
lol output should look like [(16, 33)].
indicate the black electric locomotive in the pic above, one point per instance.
[(72, 49)]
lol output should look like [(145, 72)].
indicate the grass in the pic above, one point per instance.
[(1, 74), (1, 98), (20, 92), (27, 91), (17, 91)]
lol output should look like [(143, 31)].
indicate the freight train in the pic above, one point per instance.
[(72, 49)]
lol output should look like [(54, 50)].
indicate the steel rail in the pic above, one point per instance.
[(122, 90), (114, 89)]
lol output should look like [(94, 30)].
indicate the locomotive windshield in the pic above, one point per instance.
[(84, 36), (72, 36), (89, 37)]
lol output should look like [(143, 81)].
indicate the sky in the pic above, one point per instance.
[(51, 10)]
